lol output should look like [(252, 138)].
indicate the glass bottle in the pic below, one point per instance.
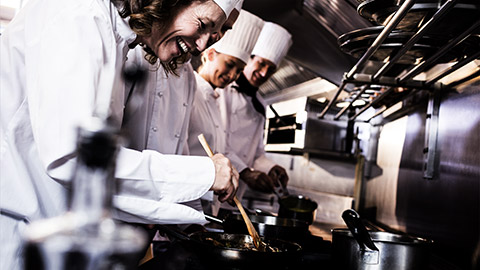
[(86, 236)]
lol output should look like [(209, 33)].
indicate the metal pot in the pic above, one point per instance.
[(226, 251), (269, 226), (297, 207), (357, 248)]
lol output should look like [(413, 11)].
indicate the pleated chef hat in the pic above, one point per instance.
[(240, 40), (239, 5), (227, 5), (273, 43)]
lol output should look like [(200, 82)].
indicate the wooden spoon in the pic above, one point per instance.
[(261, 246)]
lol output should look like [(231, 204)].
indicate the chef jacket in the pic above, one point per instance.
[(206, 119), (158, 109), (245, 130), (60, 64)]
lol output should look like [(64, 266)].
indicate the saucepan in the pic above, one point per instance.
[(298, 207), (360, 249), (237, 251), (268, 226)]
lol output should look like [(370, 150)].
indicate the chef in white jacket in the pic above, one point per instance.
[(56, 73), (221, 64), (244, 113), (159, 106)]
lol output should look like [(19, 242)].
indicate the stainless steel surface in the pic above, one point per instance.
[(447, 209), (431, 137)]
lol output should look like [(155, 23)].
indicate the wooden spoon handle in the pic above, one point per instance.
[(251, 229)]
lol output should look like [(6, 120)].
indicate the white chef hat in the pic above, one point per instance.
[(273, 43), (240, 40), (227, 5), (239, 5)]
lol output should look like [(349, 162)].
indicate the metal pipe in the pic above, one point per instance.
[(466, 79), (383, 95), (330, 103), (387, 81), (454, 67), (363, 89), (402, 11), (419, 34), (377, 113), (450, 44)]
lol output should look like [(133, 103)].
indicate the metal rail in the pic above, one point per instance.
[(423, 65), (404, 8), (416, 37), (362, 90), (455, 67)]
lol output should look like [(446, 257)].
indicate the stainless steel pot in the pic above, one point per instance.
[(356, 248)]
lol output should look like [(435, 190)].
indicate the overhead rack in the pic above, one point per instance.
[(405, 79)]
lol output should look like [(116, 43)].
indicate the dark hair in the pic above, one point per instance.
[(144, 13)]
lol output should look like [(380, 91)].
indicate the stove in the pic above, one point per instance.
[(176, 255)]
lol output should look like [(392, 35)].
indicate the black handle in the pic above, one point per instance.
[(174, 232), (358, 229)]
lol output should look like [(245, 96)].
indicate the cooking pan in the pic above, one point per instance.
[(359, 249), (268, 226), (236, 251), (297, 207)]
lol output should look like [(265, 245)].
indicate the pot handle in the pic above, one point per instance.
[(214, 219), (174, 232), (358, 229), (369, 252)]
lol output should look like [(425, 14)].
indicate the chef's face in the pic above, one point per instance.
[(232, 18), (221, 69), (192, 28), (259, 70)]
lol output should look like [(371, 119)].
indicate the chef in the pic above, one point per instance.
[(244, 113), (221, 64), (158, 112), (57, 73)]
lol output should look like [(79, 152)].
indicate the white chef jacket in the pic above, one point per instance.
[(47, 60), (206, 119), (158, 110), (245, 130)]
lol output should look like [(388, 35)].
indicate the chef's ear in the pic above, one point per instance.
[(210, 53)]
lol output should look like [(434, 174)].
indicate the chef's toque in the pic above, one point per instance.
[(227, 5), (273, 43), (240, 40), (239, 5)]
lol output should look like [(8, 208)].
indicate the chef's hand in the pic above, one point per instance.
[(226, 178), (257, 180), (278, 175)]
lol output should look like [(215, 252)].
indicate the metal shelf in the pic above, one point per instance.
[(405, 81)]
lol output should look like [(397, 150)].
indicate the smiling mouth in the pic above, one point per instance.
[(182, 45)]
